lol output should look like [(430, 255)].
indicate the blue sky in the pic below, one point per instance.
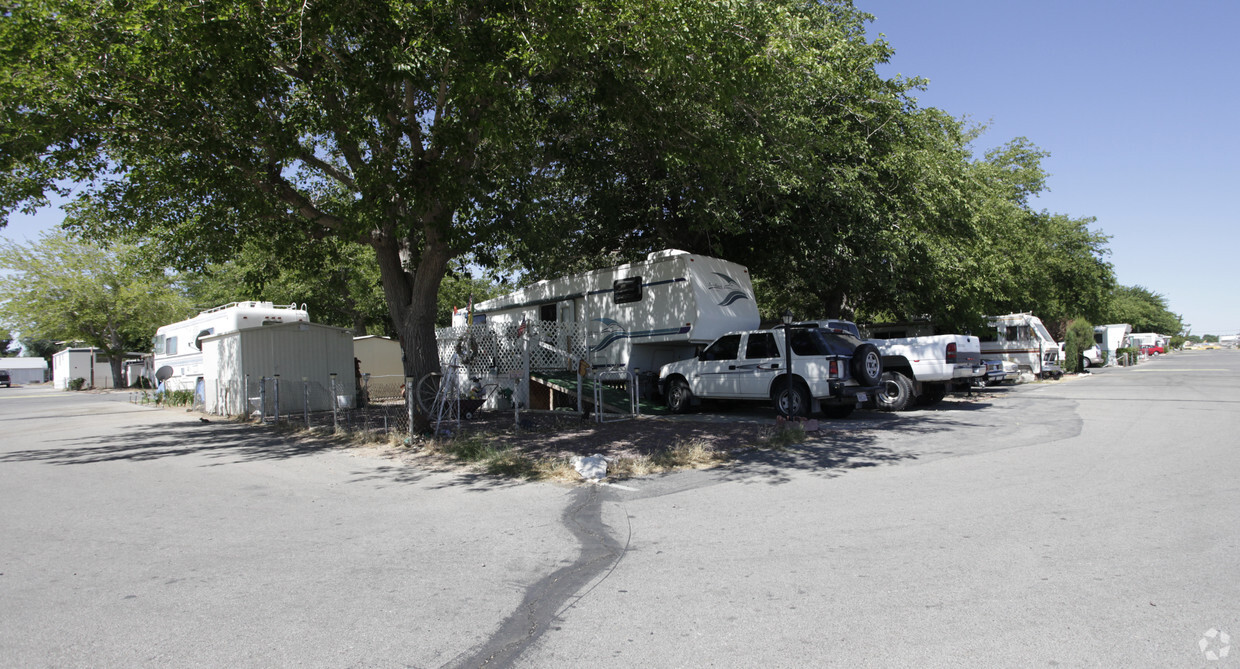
[(1136, 101)]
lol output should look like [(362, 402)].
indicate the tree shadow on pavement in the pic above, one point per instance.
[(233, 442)]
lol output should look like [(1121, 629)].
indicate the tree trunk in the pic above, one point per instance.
[(835, 305), (118, 371), (412, 296)]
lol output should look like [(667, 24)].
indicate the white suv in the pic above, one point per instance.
[(831, 370)]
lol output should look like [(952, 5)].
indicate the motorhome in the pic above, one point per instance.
[(178, 346), (1023, 339), (640, 315)]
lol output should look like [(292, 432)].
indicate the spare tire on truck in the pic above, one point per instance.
[(866, 365)]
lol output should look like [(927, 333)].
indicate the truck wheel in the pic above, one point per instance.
[(867, 365), (791, 399), (679, 397), (931, 394), (895, 392), (838, 411)]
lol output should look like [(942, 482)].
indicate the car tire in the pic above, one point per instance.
[(791, 400), (838, 411), (931, 394), (895, 392), (679, 396), (867, 365)]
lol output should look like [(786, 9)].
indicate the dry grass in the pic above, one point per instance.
[(692, 454), (545, 452)]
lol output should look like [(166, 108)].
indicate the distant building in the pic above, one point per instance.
[(25, 370)]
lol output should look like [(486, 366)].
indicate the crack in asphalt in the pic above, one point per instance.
[(546, 600)]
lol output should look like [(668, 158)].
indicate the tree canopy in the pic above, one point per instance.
[(64, 289), (1143, 309), (255, 141)]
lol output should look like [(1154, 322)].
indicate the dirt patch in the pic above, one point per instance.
[(551, 435)]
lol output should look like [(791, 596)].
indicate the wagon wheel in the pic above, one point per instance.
[(426, 391)]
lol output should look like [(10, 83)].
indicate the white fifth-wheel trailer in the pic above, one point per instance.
[(178, 346), (640, 315)]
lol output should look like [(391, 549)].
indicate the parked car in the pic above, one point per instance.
[(1091, 357), (997, 371), (832, 371), (1153, 350), (5, 379)]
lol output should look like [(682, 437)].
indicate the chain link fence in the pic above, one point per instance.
[(377, 407)]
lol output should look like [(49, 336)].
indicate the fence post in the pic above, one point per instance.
[(277, 384), (335, 415), (409, 399), (305, 399), (262, 399)]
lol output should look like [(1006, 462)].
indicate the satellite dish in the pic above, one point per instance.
[(198, 339), (164, 373)]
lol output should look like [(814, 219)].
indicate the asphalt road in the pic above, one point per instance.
[(1091, 522)]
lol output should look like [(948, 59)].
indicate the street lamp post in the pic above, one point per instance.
[(788, 360)]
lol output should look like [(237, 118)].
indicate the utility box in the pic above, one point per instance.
[(299, 358)]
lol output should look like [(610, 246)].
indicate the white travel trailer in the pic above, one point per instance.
[(1111, 338), (639, 315), (1022, 339), (178, 346), (1143, 339)]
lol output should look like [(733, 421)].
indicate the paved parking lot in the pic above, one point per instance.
[(1085, 523)]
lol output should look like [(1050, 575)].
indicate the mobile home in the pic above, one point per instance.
[(639, 315), (1023, 339), (178, 347)]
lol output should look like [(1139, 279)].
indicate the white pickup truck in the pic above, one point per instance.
[(920, 369)]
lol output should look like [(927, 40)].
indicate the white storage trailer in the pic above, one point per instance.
[(304, 355), (639, 315), (178, 359), (91, 365)]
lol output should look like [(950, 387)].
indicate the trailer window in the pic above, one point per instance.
[(627, 290), (158, 345), (170, 346)]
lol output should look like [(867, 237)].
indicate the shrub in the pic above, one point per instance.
[(175, 398), (1080, 337), (76, 384)]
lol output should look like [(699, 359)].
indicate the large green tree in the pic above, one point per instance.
[(1143, 309), (64, 289), (398, 125)]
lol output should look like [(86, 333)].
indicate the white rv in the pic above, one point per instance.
[(178, 347), (1022, 339), (639, 315), (1111, 338)]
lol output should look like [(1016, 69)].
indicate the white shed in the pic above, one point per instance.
[(90, 364), (379, 356), (303, 356), (25, 370)]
